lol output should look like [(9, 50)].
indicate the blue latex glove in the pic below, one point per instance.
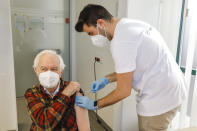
[(99, 84), (84, 102)]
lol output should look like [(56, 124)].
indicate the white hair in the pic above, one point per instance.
[(37, 58)]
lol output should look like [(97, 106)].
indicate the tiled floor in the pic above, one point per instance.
[(24, 120)]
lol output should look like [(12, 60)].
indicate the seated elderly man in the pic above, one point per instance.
[(51, 102)]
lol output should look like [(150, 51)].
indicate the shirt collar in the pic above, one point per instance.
[(54, 93)]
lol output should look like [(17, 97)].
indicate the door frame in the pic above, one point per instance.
[(73, 62)]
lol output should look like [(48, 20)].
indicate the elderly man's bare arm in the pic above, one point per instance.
[(82, 117)]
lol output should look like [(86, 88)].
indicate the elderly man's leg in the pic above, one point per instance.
[(156, 123)]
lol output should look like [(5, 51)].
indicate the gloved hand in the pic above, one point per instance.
[(99, 84), (84, 102)]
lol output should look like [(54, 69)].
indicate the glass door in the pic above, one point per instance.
[(38, 25), (187, 59)]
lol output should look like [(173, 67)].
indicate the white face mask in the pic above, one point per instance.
[(100, 40), (49, 79)]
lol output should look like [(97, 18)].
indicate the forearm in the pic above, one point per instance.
[(82, 117), (123, 90), (111, 77), (114, 97)]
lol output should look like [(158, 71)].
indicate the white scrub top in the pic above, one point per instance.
[(139, 48)]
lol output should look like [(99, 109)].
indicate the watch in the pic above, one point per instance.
[(96, 105)]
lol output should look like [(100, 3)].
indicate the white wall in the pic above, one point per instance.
[(162, 14), (8, 118)]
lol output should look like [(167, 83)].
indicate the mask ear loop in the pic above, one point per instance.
[(97, 29), (104, 30)]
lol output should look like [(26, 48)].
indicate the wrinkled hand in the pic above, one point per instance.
[(84, 102), (99, 84), (71, 89)]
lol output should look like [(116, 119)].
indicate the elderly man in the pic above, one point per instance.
[(51, 102)]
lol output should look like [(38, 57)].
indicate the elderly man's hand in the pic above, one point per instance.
[(71, 89)]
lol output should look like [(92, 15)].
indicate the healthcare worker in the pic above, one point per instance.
[(142, 61)]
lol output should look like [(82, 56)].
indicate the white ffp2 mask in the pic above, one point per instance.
[(49, 79), (100, 40)]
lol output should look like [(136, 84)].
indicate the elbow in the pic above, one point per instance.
[(124, 93), (127, 94)]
